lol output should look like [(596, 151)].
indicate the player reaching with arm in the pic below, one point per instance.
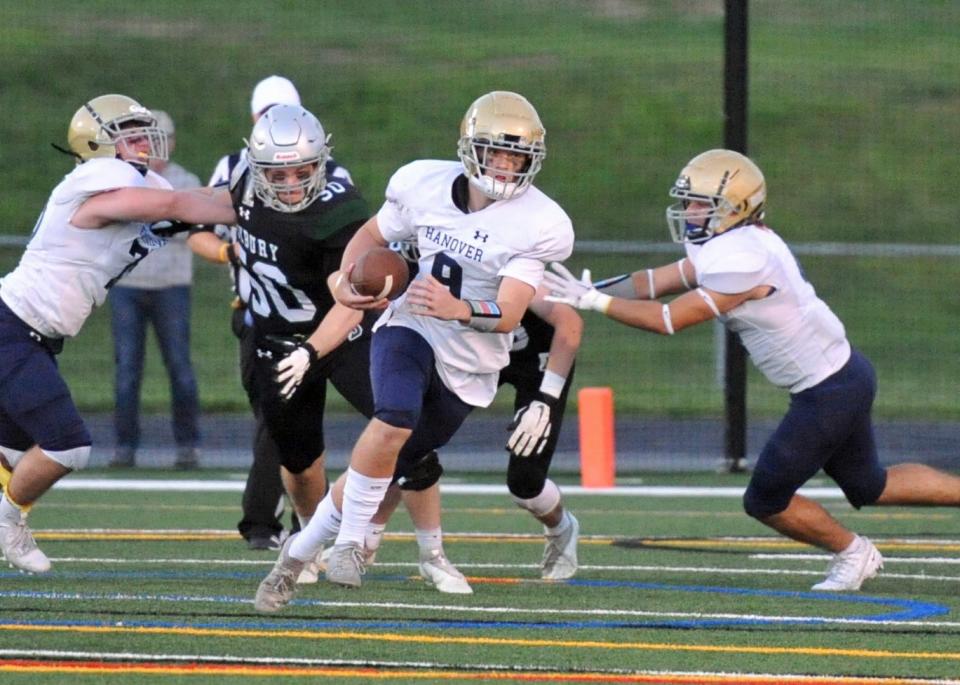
[(484, 232), (95, 227), (740, 272)]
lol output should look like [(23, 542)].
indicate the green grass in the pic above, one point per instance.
[(850, 105), (667, 558)]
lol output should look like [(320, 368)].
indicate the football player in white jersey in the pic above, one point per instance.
[(95, 227), (740, 272), (484, 233)]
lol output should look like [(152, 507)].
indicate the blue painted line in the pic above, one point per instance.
[(910, 610), (905, 609)]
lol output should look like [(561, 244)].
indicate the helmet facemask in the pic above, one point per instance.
[(698, 225), (127, 132), (270, 192), (287, 137), (474, 153)]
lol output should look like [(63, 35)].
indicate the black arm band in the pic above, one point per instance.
[(485, 315)]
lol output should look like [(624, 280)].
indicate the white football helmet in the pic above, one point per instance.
[(288, 136), (732, 186), (100, 124), (501, 120)]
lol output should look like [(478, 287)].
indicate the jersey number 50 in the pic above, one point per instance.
[(264, 287)]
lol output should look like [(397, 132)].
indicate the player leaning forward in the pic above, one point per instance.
[(95, 227), (740, 272), (484, 233)]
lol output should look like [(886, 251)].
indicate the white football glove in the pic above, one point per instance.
[(531, 426), (566, 289), (292, 368)]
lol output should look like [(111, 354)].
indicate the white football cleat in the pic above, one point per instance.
[(345, 565), (20, 549), (311, 569), (848, 570), (437, 570), (560, 553), (280, 585)]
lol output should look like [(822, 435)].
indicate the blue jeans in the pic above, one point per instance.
[(168, 309)]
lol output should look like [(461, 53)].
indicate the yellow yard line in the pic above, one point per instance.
[(422, 639)]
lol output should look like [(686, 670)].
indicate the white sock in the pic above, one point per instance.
[(560, 527), (429, 541), (854, 546), (374, 536), (321, 529), (10, 513), (362, 496), (304, 521)]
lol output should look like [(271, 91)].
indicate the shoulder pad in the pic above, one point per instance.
[(238, 170), (735, 272)]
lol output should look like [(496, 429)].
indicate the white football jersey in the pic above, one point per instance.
[(470, 253), (65, 271), (792, 336)]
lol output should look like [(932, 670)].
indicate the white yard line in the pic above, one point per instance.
[(195, 485)]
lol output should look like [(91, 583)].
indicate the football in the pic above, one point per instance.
[(380, 272)]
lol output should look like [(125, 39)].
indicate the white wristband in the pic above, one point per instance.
[(651, 289), (683, 276), (667, 321), (710, 301), (552, 384)]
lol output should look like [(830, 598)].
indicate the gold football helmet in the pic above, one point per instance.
[(501, 120), (728, 182), (103, 122)]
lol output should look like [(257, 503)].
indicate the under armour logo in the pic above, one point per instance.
[(477, 235), (36, 336), (264, 354)]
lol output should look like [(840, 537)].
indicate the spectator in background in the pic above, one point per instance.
[(157, 292)]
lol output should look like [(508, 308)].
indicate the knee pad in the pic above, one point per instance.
[(423, 474), (398, 418), (542, 504), (760, 504), (526, 476), (73, 459)]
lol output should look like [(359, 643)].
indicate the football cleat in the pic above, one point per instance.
[(345, 565), (311, 569), (560, 553), (280, 585), (849, 569), (20, 549), (437, 570)]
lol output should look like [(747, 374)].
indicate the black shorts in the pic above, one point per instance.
[(296, 425)]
